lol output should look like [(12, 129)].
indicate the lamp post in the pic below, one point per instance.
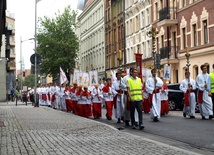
[(152, 33), (35, 65), (21, 71)]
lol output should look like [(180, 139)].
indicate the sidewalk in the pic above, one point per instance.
[(29, 130)]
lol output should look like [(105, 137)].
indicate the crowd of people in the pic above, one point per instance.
[(128, 97)]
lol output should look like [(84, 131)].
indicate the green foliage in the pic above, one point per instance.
[(57, 42), (29, 81)]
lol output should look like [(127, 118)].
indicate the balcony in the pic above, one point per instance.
[(167, 17), (168, 55)]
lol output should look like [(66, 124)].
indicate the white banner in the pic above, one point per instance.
[(93, 76), (167, 71), (79, 78), (85, 79), (75, 75), (63, 78)]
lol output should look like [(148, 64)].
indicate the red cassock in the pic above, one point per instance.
[(146, 104), (77, 106), (109, 104), (164, 103), (44, 97), (86, 108), (68, 102)]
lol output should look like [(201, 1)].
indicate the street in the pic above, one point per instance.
[(43, 130)]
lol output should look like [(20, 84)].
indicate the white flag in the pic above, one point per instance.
[(37, 1), (79, 78), (113, 76), (63, 78)]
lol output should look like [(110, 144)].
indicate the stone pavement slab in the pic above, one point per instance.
[(44, 131)]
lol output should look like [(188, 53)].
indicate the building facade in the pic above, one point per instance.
[(8, 58), (91, 37), (181, 25), (114, 35), (138, 23)]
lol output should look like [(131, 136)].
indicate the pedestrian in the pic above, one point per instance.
[(188, 86), (54, 96), (97, 102), (86, 102), (134, 88), (146, 104), (164, 98), (212, 87), (117, 86), (127, 101), (68, 100), (204, 99), (74, 98), (48, 92), (108, 96), (153, 86)]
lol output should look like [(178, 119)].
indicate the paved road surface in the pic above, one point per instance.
[(30, 130)]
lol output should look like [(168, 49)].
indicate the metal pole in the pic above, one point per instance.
[(21, 73), (35, 65)]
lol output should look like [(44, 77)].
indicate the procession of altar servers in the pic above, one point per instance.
[(88, 101)]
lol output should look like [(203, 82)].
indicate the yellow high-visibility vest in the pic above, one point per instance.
[(135, 88), (212, 82)]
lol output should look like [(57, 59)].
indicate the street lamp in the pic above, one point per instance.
[(35, 75), (21, 71)]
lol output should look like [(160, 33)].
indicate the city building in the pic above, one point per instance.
[(138, 23), (114, 35), (184, 25), (8, 58), (91, 37)]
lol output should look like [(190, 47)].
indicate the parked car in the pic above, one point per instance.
[(176, 97)]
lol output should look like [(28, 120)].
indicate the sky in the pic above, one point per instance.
[(24, 11)]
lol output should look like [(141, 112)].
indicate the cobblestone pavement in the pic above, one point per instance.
[(44, 131)]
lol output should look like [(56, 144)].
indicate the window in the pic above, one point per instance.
[(161, 4), (137, 23), (184, 37), (156, 11), (162, 41), (205, 31), (194, 35), (183, 3), (148, 17), (143, 24)]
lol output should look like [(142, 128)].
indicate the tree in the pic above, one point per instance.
[(57, 42), (29, 81)]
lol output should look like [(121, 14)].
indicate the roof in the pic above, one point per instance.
[(88, 3)]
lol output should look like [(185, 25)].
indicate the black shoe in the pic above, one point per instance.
[(184, 114), (210, 117), (141, 127), (127, 123), (136, 123), (155, 119), (193, 117), (203, 117), (134, 127), (118, 120)]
